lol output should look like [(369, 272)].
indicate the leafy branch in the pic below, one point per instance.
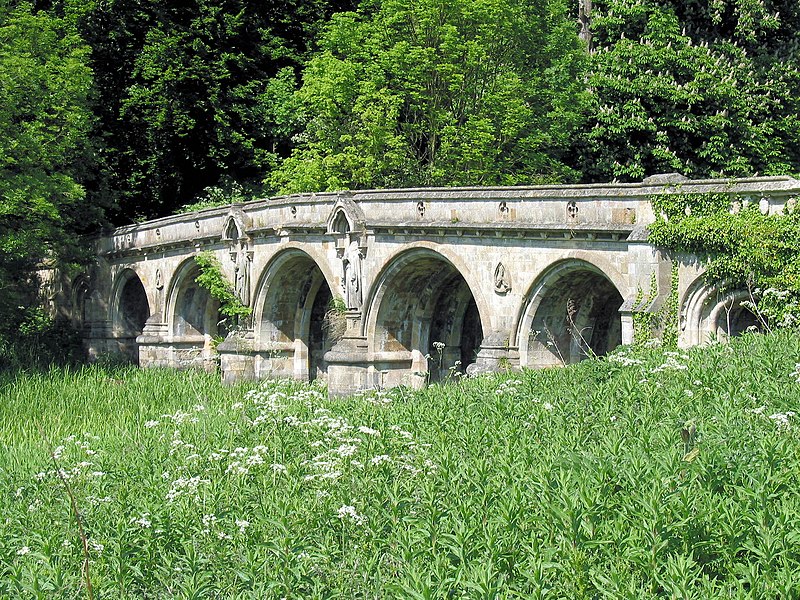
[(213, 280)]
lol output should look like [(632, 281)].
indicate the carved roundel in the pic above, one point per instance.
[(572, 209)]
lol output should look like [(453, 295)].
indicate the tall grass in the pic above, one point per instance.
[(643, 475)]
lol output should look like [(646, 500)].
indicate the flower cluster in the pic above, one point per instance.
[(349, 513)]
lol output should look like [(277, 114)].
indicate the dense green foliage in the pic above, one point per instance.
[(436, 92), (704, 89), (46, 153), (741, 250), (212, 279), (642, 475), (186, 91)]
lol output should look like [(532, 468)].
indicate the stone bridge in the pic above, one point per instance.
[(381, 288)]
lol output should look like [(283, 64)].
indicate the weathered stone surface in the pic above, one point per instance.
[(421, 282)]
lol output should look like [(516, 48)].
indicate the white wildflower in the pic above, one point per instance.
[(350, 513), (278, 468), (369, 431), (782, 419), (142, 521), (23, 551), (151, 423), (254, 460), (242, 524), (346, 450)]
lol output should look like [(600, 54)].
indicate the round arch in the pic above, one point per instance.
[(707, 314), (130, 306), (192, 314), (80, 301), (130, 310), (295, 320), (422, 316), (571, 312), (398, 259)]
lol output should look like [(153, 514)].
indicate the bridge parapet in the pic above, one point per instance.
[(502, 277)]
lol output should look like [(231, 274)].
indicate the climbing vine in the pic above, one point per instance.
[(657, 324), (741, 248), (213, 280)]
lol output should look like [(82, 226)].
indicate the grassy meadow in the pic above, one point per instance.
[(647, 474)]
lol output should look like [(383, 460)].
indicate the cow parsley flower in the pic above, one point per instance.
[(242, 524), (350, 513)]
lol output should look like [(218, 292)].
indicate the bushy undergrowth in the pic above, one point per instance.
[(647, 474)]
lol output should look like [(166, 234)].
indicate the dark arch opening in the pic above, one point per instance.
[(232, 230), (133, 312), (133, 307), (427, 322), (295, 333), (80, 298), (736, 321), (577, 317)]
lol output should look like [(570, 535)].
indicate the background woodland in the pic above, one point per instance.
[(116, 111)]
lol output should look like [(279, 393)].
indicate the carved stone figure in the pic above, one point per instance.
[(242, 274), (351, 262), (502, 282)]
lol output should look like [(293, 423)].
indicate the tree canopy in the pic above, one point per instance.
[(46, 150), (438, 92), (705, 89), (185, 92)]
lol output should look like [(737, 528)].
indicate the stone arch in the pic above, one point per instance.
[(192, 314), (572, 312), (708, 313), (421, 299), (340, 224), (236, 225), (345, 217), (293, 327), (80, 302), (130, 310)]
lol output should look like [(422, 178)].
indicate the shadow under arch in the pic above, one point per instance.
[(572, 312), (710, 314), (295, 319), (423, 318), (130, 310)]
